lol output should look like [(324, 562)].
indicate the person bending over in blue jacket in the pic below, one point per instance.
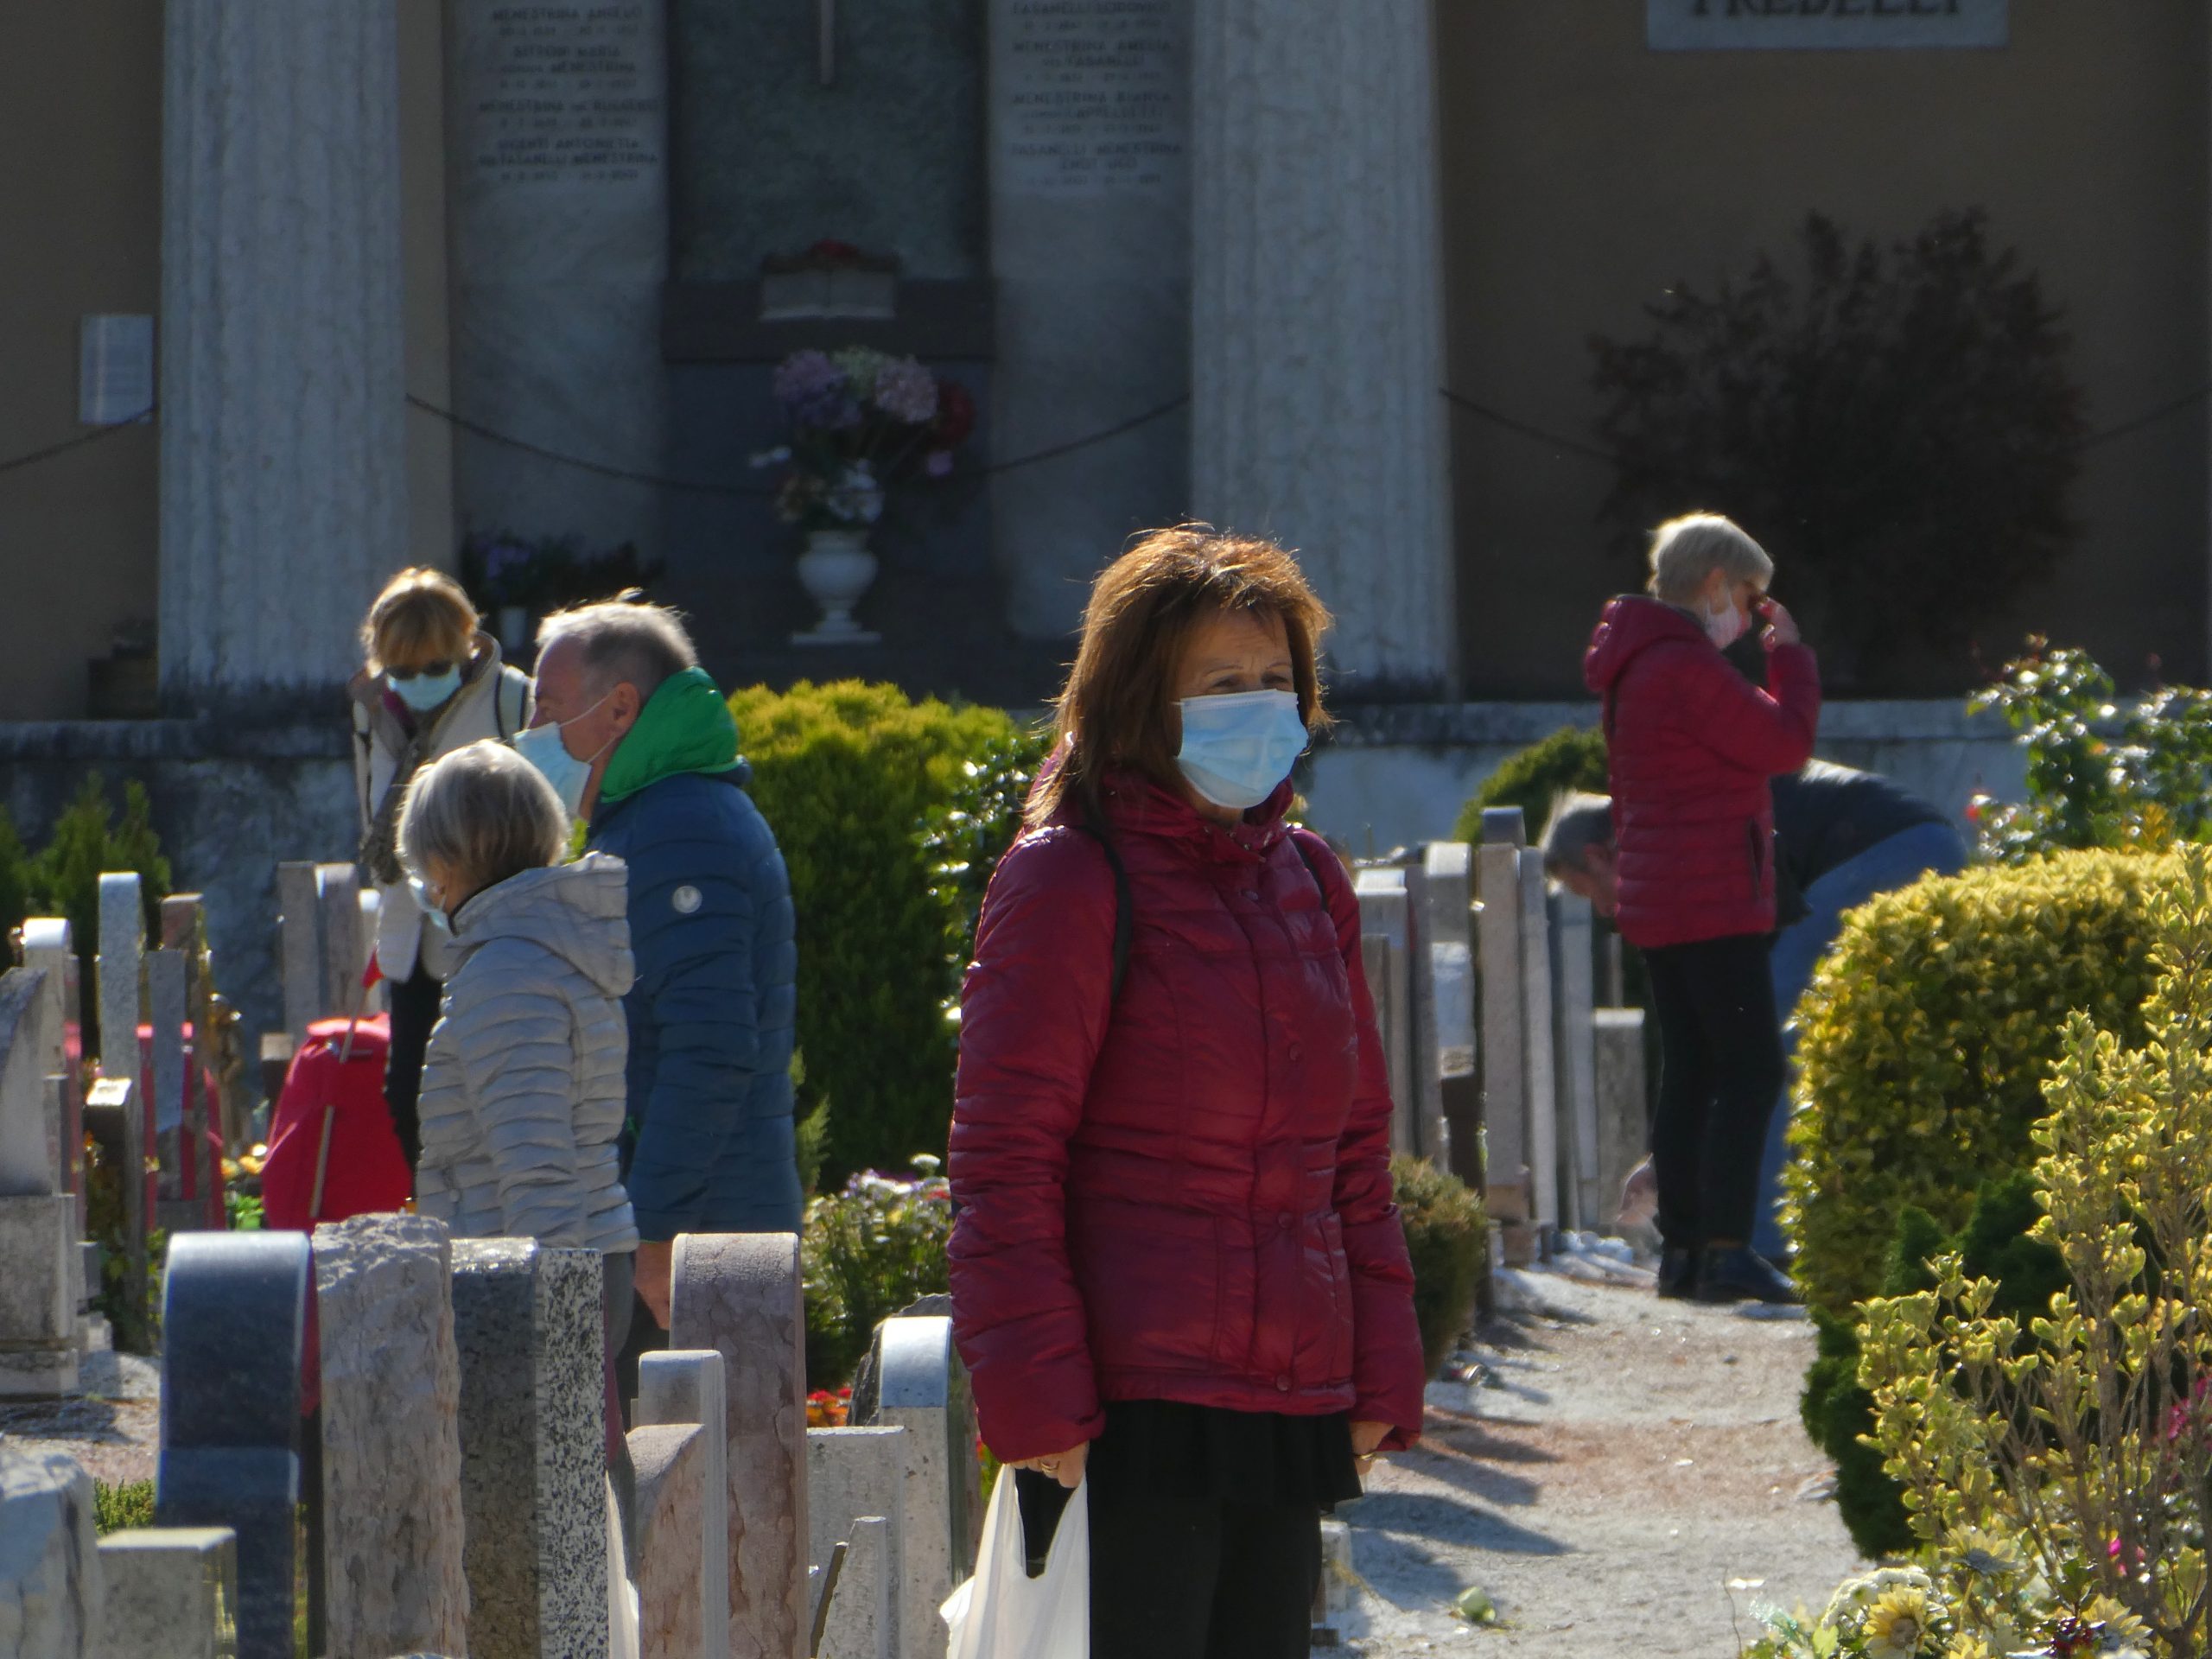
[(636, 738)]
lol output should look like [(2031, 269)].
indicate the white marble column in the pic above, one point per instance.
[(1318, 314), (284, 491)]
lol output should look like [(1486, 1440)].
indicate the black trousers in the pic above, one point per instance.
[(1721, 1069), (1198, 1578), (414, 1002)]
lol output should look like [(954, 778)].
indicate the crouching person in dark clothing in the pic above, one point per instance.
[(1842, 837)]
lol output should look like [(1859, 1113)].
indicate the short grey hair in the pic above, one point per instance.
[(485, 813), (1686, 550), (1578, 821), (625, 643)]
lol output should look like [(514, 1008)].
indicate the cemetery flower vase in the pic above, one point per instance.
[(837, 569)]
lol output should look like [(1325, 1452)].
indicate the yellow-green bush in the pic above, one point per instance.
[(848, 776), (1926, 1037), (1447, 1239)]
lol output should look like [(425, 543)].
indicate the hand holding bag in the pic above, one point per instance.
[(1002, 1612)]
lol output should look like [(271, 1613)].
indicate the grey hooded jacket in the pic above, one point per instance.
[(522, 1090)]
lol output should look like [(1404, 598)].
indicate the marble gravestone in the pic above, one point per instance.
[(557, 193), (50, 948), (859, 1622), (1090, 235), (1540, 1073), (172, 1593), (1386, 939), (533, 1450), (853, 1473), (1574, 985), (740, 1294), (669, 1460), (391, 1528), (1504, 1032), (50, 1583), (42, 1285), (233, 1324), (1445, 1003), (299, 923), (684, 1386), (922, 1387)]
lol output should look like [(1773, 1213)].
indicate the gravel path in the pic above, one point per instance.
[(1631, 1480), (113, 1429)]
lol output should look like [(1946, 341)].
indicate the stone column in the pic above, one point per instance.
[(282, 390), (391, 1527), (1317, 314), (1505, 1071), (1385, 942), (670, 1461), (1574, 980), (1446, 1006), (1624, 1120)]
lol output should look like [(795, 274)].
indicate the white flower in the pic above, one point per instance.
[(776, 457)]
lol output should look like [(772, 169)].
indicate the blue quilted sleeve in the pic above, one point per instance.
[(695, 1009)]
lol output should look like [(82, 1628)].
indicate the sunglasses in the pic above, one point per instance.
[(429, 671)]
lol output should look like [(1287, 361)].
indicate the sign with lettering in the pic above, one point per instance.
[(1094, 96), (1830, 25), (563, 93)]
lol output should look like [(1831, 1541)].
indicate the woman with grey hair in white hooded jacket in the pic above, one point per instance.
[(523, 1087)]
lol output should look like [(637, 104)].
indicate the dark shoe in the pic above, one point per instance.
[(1735, 1273), (1678, 1273)]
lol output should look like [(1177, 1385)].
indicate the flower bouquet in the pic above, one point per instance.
[(862, 422)]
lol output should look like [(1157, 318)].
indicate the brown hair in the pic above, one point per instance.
[(420, 614), (1115, 710)]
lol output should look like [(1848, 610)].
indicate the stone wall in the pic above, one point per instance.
[(230, 800)]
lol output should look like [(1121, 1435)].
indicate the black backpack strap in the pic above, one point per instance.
[(1124, 905)]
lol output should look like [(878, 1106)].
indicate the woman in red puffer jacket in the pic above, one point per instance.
[(1693, 746), (1176, 1265)]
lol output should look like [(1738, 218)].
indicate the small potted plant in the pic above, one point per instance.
[(862, 423)]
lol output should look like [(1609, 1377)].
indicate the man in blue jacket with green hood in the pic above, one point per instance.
[(634, 736)]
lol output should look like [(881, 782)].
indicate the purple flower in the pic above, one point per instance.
[(906, 391), (938, 463), (815, 391)]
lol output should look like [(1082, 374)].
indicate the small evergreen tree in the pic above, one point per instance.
[(1897, 426)]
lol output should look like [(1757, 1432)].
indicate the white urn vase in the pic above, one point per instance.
[(835, 570)]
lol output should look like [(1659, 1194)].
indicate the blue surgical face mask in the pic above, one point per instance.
[(542, 748), (1238, 748), (424, 692)]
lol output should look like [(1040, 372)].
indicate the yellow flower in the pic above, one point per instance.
[(2122, 1628), (1896, 1623), (1969, 1647)]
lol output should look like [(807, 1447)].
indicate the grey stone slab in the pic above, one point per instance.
[(683, 1386), (1574, 1003), (1386, 930), (922, 1387), (38, 1243), (392, 1532), (300, 947), (1504, 1056), (740, 1294), (123, 942), (167, 1010), (50, 1581), (338, 902), (113, 1106), (1624, 1122), (527, 1324), (856, 1472), (49, 948), (1445, 1000), (560, 233), (1540, 1055), (172, 1593), (670, 1462), (28, 1038), (233, 1317), (859, 1621)]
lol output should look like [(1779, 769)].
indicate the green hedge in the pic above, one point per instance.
[(1925, 1039), (1572, 758), (850, 777), (1447, 1236)]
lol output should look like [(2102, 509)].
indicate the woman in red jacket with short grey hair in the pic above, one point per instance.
[(1177, 1263), (1692, 746)]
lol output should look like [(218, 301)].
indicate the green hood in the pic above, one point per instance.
[(684, 727)]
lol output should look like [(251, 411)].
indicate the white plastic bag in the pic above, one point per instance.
[(1002, 1612)]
